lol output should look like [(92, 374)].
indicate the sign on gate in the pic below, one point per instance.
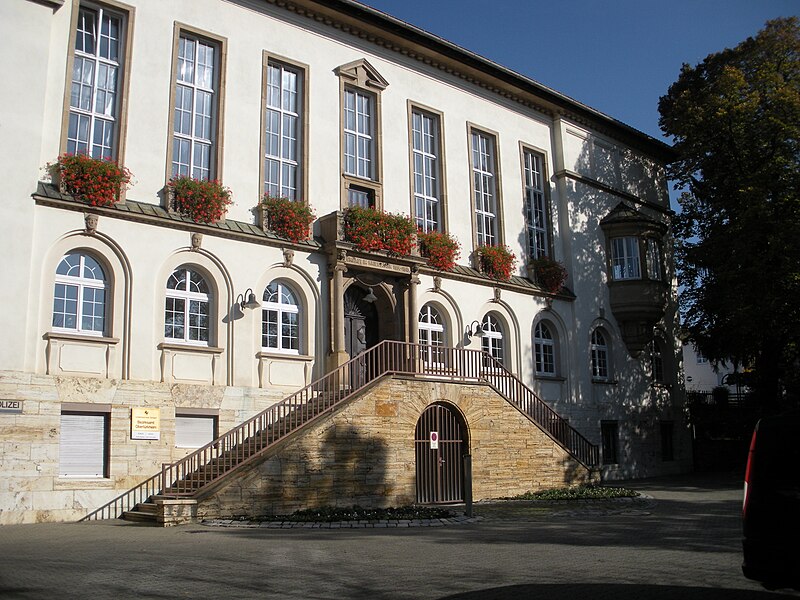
[(434, 440)]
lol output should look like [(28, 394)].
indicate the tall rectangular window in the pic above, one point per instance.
[(425, 150), (358, 134), (625, 258), (609, 431), (194, 119), (484, 188), (283, 131), (536, 218), (94, 100), (653, 259)]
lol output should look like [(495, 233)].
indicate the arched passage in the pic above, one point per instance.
[(440, 443)]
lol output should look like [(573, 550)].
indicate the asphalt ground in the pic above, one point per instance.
[(682, 540)]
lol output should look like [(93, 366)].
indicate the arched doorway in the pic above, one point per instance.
[(440, 444), (360, 330)]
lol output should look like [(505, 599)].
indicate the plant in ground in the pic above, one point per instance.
[(202, 200), (374, 230), (290, 219), (581, 492), (329, 514), (549, 273), (440, 248), (496, 261), (97, 181)]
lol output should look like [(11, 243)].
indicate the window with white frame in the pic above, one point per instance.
[(96, 78), (79, 299), (280, 314), (653, 259), (701, 360), (431, 335), (484, 188), (188, 299), (425, 149), (194, 119), (492, 341), (599, 356), (536, 216), (544, 346), (283, 131), (625, 258), (359, 134)]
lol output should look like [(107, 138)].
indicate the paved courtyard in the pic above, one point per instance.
[(683, 541)]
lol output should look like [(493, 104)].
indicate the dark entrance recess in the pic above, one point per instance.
[(360, 330), (440, 471)]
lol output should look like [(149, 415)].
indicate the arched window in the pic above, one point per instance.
[(544, 349), (599, 356), (280, 314), (186, 316), (492, 339), (79, 298), (431, 335)]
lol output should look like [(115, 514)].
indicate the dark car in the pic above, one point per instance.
[(771, 511)]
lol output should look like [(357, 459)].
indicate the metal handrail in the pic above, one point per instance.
[(126, 501), (248, 440)]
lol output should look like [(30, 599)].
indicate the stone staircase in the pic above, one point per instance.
[(168, 497)]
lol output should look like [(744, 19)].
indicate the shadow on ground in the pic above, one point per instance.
[(617, 591)]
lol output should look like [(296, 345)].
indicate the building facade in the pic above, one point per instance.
[(130, 334)]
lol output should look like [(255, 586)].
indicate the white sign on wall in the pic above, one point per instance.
[(434, 440)]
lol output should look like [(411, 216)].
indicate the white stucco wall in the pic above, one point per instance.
[(588, 174)]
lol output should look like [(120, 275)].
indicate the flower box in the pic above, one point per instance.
[(497, 262), (203, 201), (547, 273), (289, 219), (99, 182), (372, 230), (441, 249)]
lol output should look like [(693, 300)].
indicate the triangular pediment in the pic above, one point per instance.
[(362, 73)]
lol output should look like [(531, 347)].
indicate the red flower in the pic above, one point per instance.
[(203, 201), (96, 181), (497, 261), (441, 249)]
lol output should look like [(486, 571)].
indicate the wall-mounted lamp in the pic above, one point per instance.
[(475, 329), (248, 300)]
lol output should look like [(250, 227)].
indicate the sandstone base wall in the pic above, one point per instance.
[(364, 454)]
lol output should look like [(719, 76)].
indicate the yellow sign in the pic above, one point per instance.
[(145, 423)]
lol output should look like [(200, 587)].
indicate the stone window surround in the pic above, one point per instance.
[(218, 126), (127, 14), (362, 77), (543, 155), (303, 71), (498, 183), (413, 107)]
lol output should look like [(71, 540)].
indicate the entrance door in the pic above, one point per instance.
[(360, 332), (440, 465)]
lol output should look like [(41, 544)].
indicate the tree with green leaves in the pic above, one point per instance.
[(735, 124)]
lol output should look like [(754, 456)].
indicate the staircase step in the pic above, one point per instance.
[(139, 516)]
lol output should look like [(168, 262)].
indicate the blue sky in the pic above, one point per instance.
[(618, 56)]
